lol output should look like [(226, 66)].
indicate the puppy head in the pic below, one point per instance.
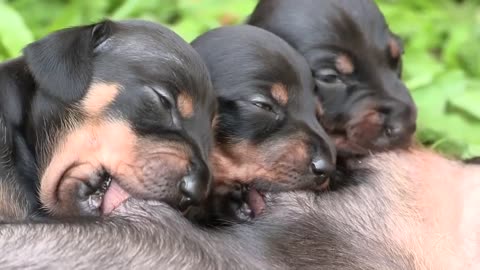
[(266, 133), (122, 109), (356, 62)]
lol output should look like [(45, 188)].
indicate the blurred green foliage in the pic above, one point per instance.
[(442, 40)]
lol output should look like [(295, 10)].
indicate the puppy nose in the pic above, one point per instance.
[(194, 187), (399, 125), (322, 168), (394, 131)]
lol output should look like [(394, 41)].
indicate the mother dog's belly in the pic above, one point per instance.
[(439, 221), (470, 222)]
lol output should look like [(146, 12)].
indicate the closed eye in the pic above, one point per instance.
[(328, 75), (263, 105), (164, 101), (163, 97)]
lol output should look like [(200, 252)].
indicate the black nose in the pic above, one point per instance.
[(400, 120), (323, 168), (399, 129), (394, 131), (194, 187)]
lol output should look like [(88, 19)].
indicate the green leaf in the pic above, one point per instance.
[(469, 103), (14, 33), (420, 68), (449, 131), (455, 43), (189, 29), (472, 151), (154, 9), (70, 16)]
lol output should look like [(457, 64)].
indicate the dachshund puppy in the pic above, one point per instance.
[(357, 64), (411, 210), (103, 112), (267, 135)]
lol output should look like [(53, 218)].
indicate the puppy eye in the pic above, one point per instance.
[(264, 106), (162, 98), (164, 101), (329, 75)]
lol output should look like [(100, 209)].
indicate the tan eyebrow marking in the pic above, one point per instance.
[(185, 105), (394, 48), (344, 64), (98, 97), (320, 111), (279, 93), (215, 121)]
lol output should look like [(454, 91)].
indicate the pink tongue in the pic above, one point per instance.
[(113, 198), (256, 202)]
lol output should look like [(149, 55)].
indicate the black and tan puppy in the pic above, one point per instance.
[(267, 135), (357, 64), (104, 112)]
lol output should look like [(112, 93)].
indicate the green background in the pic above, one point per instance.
[(442, 60)]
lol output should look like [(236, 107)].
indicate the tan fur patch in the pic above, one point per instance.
[(136, 163), (185, 105), (280, 93), (365, 127), (344, 64), (319, 109), (98, 97), (244, 162), (237, 163), (215, 122), (394, 48)]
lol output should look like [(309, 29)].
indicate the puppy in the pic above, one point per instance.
[(103, 112), (267, 135), (357, 64), (398, 217)]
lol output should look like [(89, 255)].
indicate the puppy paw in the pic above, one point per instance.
[(226, 205), (236, 203)]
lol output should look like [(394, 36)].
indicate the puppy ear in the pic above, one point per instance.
[(396, 46), (16, 87), (61, 63), (399, 40)]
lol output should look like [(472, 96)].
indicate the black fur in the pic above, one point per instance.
[(366, 107), (246, 64), (41, 94)]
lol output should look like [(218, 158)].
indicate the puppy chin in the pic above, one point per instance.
[(96, 194), (361, 141)]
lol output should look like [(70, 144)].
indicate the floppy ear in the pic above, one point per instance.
[(16, 88), (398, 44), (399, 41), (61, 63)]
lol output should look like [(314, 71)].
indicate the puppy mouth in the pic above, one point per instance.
[(104, 195), (250, 202), (255, 200), (346, 145)]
